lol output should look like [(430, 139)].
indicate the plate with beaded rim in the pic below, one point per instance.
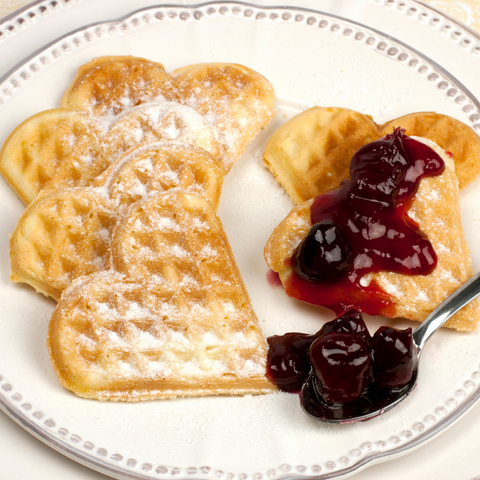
[(311, 58)]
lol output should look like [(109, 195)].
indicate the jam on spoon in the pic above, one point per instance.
[(364, 226), (395, 357), (288, 358), (342, 368)]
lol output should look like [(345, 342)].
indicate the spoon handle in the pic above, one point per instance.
[(465, 294)]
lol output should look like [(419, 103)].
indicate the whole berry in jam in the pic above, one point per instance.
[(288, 364), (350, 322), (324, 255), (342, 363), (393, 354)]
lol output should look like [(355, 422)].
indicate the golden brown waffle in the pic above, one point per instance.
[(436, 209), (311, 153), (173, 237), (236, 101), (175, 317), (107, 86), (450, 134), (160, 121), (158, 168), (52, 149), (179, 322), (62, 235)]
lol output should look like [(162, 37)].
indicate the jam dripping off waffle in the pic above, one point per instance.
[(363, 226)]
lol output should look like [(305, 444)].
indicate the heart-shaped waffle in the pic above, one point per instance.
[(310, 154), (436, 211), (236, 100), (172, 318)]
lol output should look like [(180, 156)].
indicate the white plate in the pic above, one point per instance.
[(441, 38), (311, 58)]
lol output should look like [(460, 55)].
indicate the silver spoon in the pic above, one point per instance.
[(365, 408)]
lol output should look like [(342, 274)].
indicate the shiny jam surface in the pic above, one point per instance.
[(363, 227), (342, 371)]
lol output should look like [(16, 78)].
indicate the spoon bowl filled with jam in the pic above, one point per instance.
[(346, 375)]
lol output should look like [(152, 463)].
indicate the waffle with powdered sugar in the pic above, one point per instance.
[(65, 233), (236, 100), (436, 210), (56, 148), (159, 167), (62, 235), (151, 302), (172, 317), (117, 103)]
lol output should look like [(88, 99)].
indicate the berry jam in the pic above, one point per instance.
[(393, 351), (342, 371), (288, 359), (342, 363), (273, 279), (350, 322), (324, 255), (288, 364), (363, 227)]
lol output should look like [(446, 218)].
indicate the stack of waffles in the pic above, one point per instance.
[(121, 185)]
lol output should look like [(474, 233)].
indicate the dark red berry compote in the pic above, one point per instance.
[(342, 363), (364, 226), (342, 371), (393, 351), (288, 359), (288, 363)]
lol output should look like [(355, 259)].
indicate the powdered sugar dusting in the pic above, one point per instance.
[(146, 345), (175, 318), (160, 120)]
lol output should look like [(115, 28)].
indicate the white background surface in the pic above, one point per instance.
[(453, 455)]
